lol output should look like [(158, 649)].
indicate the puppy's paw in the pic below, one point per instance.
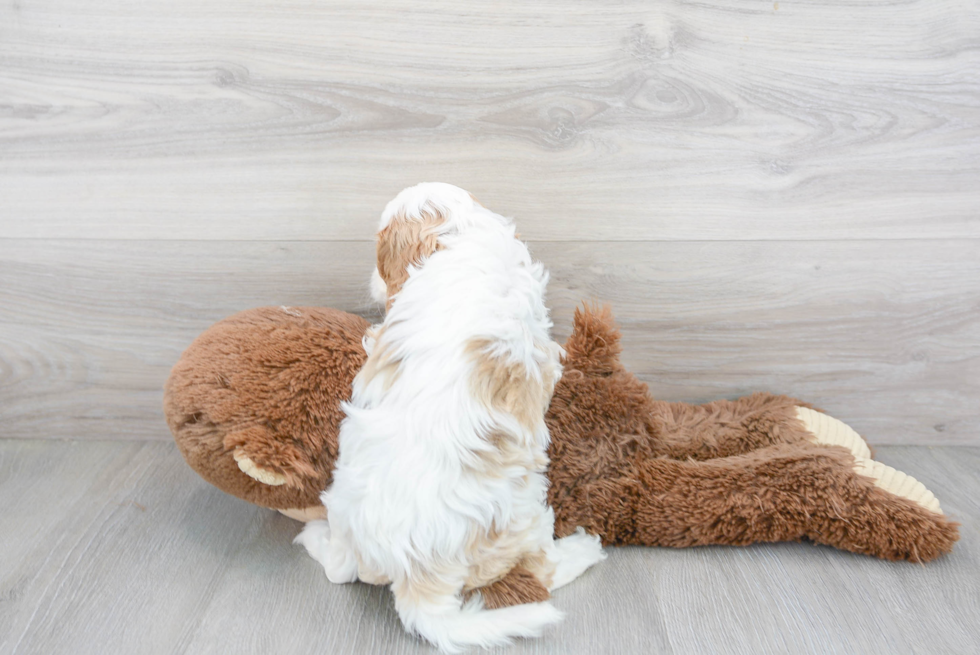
[(577, 552), (341, 565), (582, 547), (336, 558), (315, 537)]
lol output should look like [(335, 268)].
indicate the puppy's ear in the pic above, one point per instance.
[(379, 289), (406, 241)]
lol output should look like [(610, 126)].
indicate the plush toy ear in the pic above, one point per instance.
[(269, 458), (594, 343)]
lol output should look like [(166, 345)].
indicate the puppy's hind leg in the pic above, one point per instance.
[(334, 554), (430, 606), (576, 553)]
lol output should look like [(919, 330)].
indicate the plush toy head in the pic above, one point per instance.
[(254, 403)]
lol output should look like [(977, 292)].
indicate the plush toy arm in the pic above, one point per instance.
[(779, 493), (269, 458)]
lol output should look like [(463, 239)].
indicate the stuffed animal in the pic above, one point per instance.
[(254, 406)]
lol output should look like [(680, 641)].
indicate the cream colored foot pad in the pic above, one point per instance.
[(898, 483), (306, 514), (829, 431), (252, 470)]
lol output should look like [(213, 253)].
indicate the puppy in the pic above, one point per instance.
[(439, 488)]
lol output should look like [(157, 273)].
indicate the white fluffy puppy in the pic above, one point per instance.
[(439, 488)]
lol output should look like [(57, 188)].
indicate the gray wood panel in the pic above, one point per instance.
[(771, 195), (112, 547), (883, 334), (202, 119)]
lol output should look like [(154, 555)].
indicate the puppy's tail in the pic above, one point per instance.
[(453, 629)]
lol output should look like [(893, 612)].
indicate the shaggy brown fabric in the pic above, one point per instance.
[(518, 587), (269, 381), (597, 398), (629, 468)]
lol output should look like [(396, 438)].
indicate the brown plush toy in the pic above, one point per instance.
[(254, 406)]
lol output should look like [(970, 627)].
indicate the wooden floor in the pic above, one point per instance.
[(115, 547)]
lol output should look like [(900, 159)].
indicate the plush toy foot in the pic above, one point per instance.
[(578, 551), (828, 431), (781, 493), (899, 519), (897, 483)]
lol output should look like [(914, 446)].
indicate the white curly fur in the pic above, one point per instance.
[(421, 497)]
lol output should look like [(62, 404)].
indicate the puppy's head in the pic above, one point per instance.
[(411, 228)]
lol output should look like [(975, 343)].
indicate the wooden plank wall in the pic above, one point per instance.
[(780, 196)]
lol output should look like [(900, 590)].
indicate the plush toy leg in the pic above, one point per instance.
[(598, 397), (780, 493), (733, 427), (725, 427)]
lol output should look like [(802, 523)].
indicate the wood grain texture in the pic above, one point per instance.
[(760, 120), (771, 195), (883, 335), (114, 547)]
